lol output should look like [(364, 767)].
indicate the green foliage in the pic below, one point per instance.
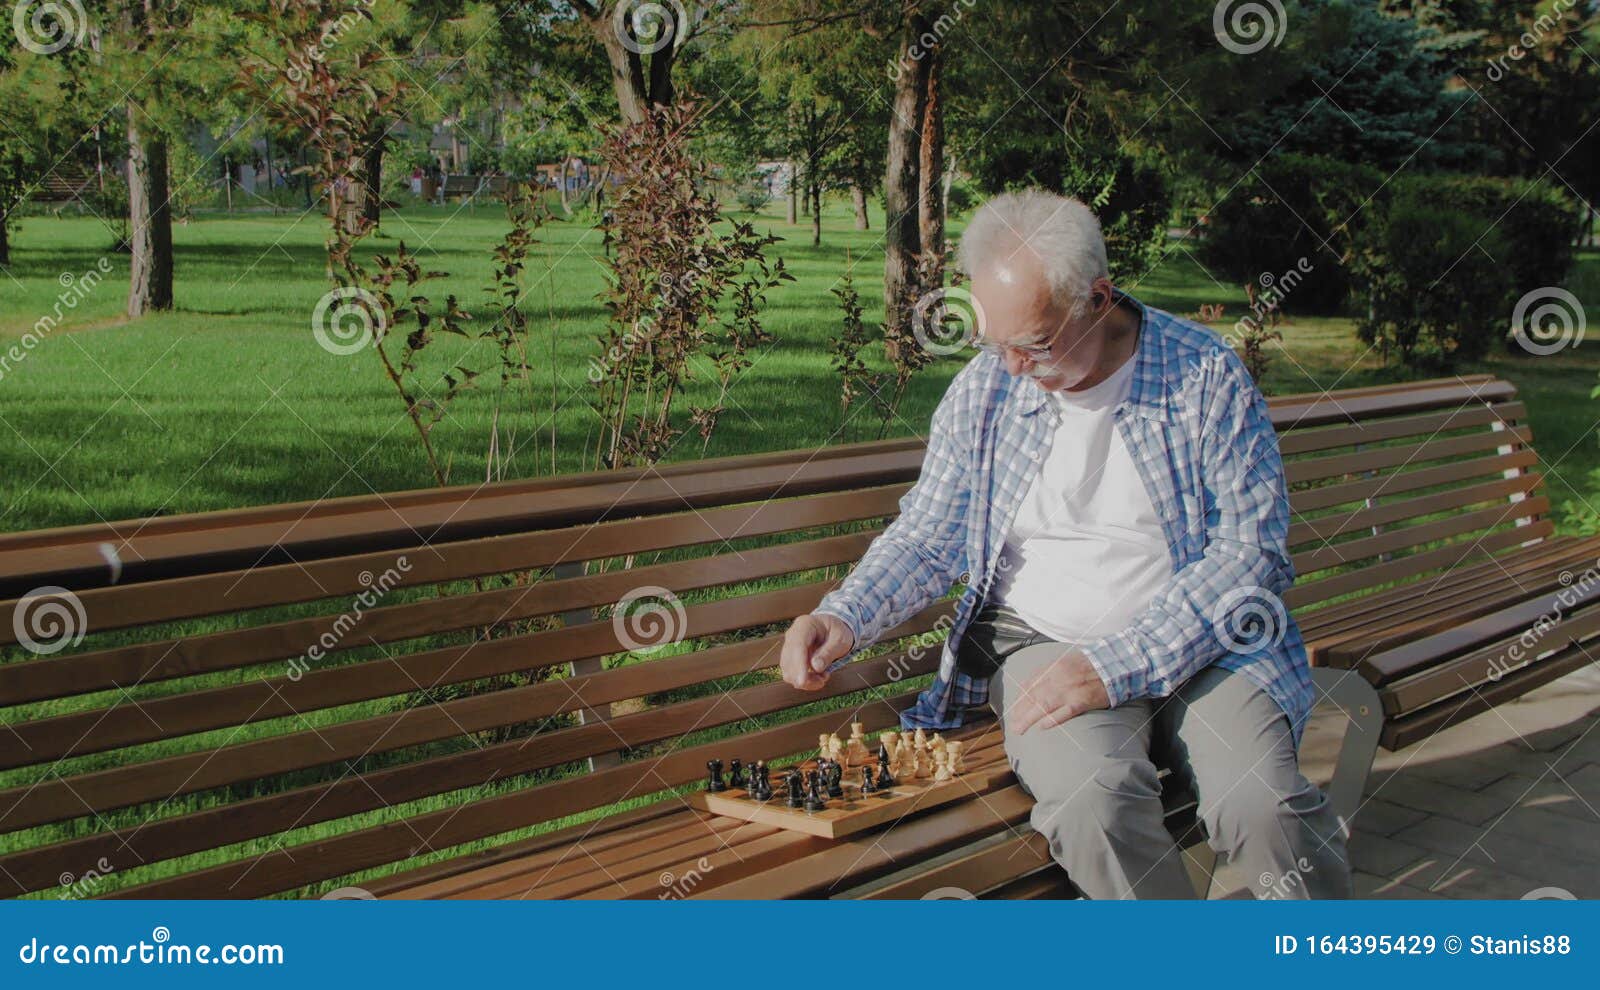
[(1434, 293), (1537, 220), (1291, 207)]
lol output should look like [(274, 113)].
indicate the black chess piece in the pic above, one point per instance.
[(814, 798), (714, 781), (867, 786), (736, 776), (885, 778), (760, 783), (834, 775), (796, 784)]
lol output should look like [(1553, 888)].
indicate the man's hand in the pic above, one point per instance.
[(1065, 689), (812, 643)]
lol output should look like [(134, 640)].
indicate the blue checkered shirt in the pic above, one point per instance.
[(1197, 428)]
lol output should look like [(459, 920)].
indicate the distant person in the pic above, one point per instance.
[(416, 182)]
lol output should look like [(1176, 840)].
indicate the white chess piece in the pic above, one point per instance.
[(891, 745), (953, 754), (941, 762)]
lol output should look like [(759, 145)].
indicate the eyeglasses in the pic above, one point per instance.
[(1033, 352)]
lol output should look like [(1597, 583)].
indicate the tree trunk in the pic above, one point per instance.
[(902, 233), (5, 239), (372, 202), (858, 197), (634, 92), (566, 206), (793, 195), (149, 220), (930, 192), (816, 213)]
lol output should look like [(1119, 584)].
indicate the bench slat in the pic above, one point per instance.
[(326, 859)]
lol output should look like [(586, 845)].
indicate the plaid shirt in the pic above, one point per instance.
[(1197, 428)]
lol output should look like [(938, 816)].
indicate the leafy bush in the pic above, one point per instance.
[(1538, 221), (1432, 296), (1132, 200), (1291, 207)]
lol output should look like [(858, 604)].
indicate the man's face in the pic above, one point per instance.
[(1036, 336)]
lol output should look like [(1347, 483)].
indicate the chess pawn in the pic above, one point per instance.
[(923, 759), (920, 740), (953, 751), (941, 762), (836, 749), (736, 778), (822, 746), (867, 786)]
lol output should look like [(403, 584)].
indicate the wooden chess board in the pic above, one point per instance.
[(854, 812)]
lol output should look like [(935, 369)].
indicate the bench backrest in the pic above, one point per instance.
[(268, 700)]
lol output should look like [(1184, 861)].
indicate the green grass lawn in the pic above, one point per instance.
[(229, 401)]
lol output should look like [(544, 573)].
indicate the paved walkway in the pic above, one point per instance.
[(1503, 805)]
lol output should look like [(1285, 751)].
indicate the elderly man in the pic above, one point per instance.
[(1104, 480)]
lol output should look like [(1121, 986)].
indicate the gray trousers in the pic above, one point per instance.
[(1228, 743)]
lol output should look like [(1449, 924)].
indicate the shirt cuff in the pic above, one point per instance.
[(1121, 666), (844, 614)]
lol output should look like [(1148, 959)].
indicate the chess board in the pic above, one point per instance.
[(854, 812)]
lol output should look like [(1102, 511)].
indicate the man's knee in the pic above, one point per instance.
[(1103, 793)]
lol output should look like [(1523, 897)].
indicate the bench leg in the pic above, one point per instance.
[(1352, 693)]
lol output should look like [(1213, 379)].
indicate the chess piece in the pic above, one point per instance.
[(736, 778), (714, 781), (835, 749), (953, 752), (867, 786), (891, 742), (822, 746), (834, 776), (814, 799), (922, 758), (796, 785), (760, 784), (885, 777), (856, 750), (941, 764)]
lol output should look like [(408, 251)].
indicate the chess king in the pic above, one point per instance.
[(1103, 480)]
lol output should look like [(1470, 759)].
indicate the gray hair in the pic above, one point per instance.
[(1061, 231)]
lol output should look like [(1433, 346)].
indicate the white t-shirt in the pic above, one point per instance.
[(1085, 553)]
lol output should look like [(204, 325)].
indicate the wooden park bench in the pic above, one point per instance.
[(473, 186), (474, 727)]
